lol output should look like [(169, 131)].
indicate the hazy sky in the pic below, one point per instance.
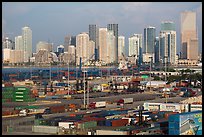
[(53, 20)]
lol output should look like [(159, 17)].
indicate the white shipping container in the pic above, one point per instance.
[(100, 104), (45, 129), (66, 125), (111, 132), (128, 100)]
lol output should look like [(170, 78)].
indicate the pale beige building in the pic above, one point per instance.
[(103, 55), (13, 56), (6, 55), (91, 50), (43, 56), (111, 48), (147, 57), (189, 38), (17, 56), (121, 46), (187, 62), (82, 44), (71, 52)]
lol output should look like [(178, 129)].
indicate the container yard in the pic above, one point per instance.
[(114, 105)]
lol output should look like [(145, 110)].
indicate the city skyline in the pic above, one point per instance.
[(93, 13)]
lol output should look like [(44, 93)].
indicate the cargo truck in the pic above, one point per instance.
[(125, 101), (100, 104), (23, 112)]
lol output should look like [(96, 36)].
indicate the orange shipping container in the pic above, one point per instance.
[(61, 92), (50, 94), (35, 91)]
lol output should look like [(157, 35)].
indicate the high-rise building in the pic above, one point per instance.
[(19, 43), (8, 43), (91, 50), (149, 39), (135, 45), (167, 43), (71, 52), (27, 42), (93, 35), (114, 27), (121, 46), (168, 46), (189, 38), (110, 47), (82, 44), (103, 48), (157, 50), (69, 40), (168, 26)]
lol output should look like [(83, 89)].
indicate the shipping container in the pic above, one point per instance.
[(66, 125), (189, 123), (45, 129), (119, 122), (111, 132)]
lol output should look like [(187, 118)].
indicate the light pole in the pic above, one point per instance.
[(87, 93), (84, 89), (150, 72), (68, 78), (50, 72), (165, 57)]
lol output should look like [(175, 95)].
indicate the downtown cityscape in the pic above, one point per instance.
[(102, 80)]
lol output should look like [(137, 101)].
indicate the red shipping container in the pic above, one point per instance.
[(57, 109), (119, 122)]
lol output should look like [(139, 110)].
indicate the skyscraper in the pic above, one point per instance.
[(149, 39), (8, 43), (168, 46), (27, 42), (167, 43), (82, 44), (167, 26), (121, 46), (110, 47), (114, 27), (19, 43), (135, 45), (157, 50), (93, 35), (103, 48), (189, 39)]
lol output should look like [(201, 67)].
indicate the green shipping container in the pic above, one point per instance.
[(88, 124), (40, 122)]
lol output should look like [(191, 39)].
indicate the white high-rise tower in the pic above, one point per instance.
[(27, 43)]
